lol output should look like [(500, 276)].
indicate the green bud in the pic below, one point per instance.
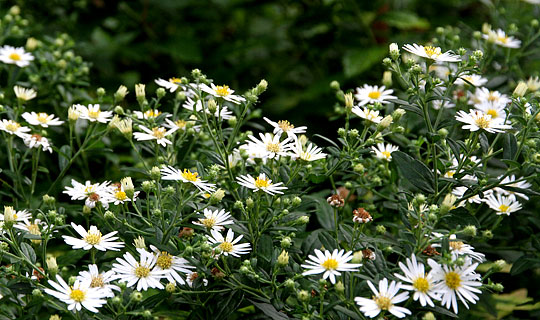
[(387, 62), (155, 173), (232, 121), (86, 209), (380, 229), (534, 23), (160, 93), (4, 246), (48, 199), (353, 133), (286, 242), (109, 215), (322, 282), (37, 293), (244, 270), (147, 186), (470, 231), (342, 132), (249, 203), (340, 288), (302, 220), (283, 259), (156, 212), (296, 201), (303, 295), (498, 265), (136, 296), (100, 92), (71, 280), (429, 316), (117, 300), (238, 205), (289, 283), (170, 287), (334, 85), (147, 314)]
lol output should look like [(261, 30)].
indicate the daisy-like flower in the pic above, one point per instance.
[(284, 126), (368, 114), (94, 279), (477, 120), (495, 111), (471, 79), (77, 296), (503, 204), (384, 299), (432, 53), (118, 194), (197, 106), (500, 38), (172, 84), (228, 245), (372, 94), (148, 114), (141, 273), (172, 265), (312, 153), (92, 193), (273, 148), (214, 219), (510, 182), (11, 214), (93, 113), (384, 152), (24, 93), (438, 104), (420, 281), (261, 183), (170, 173), (13, 127), (452, 282), (157, 133), (41, 119), (223, 92), (330, 264), (17, 56), (35, 141), (484, 95), (93, 239), (458, 248)]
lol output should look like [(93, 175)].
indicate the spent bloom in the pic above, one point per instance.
[(330, 264), (384, 299)]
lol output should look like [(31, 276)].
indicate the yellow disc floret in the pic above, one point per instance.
[(77, 295), (142, 272), (453, 280), (93, 238), (330, 264), (384, 303), (164, 261), (190, 176), (421, 284), (15, 56), (374, 95), (222, 91), (226, 246), (262, 182)]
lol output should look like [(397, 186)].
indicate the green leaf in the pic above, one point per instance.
[(265, 247), (509, 146), (28, 252), (417, 173), (356, 61), (71, 257), (347, 312), (324, 212), (484, 142), (524, 263), (64, 156), (405, 20), (269, 310)]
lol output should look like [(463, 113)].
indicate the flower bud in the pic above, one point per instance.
[(140, 93), (155, 173), (212, 106), (448, 203), (261, 87), (147, 185), (303, 295), (289, 283), (170, 287), (232, 121), (37, 293), (380, 229), (340, 288), (47, 199), (139, 243), (136, 296), (31, 44), (55, 317), (302, 220), (349, 101), (52, 266), (334, 85), (71, 280), (117, 300), (387, 62), (394, 51), (429, 316), (100, 92), (385, 123), (498, 265), (357, 257), (249, 203), (470, 231), (283, 259), (387, 78), (73, 113), (286, 242), (520, 89), (534, 23)]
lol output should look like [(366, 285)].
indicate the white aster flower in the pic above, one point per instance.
[(432, 53), (148, 114), (372, 94), (503, 204), (141, 273), (484, 95), (330, 264), (92, 193), (471, 79), (228, 245), (17, 56), (11, 214), (13, 127), (500, 38), (172, 84), (284, 126), (495, 111), (222, 92), (93, 113), (452, 282), (384, 152), (510, 182), (35, 141), (368, 114), (34, 227), (270, 145), (157, 133), (170, 173), (214, 219), (458, 248), (77, 296), (438, 104), (24, 93), (172, 265), (221, 112), (477, 120), (419, 281), (41, 119), (93, 239), (101, 281), (312, 152), (261, 183), (384, 299), (118, 194)]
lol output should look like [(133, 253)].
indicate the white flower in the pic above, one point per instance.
[(93, 113), (148, 114), (171, 265), (312, 152), (372, 94), (222, 92), (284, 126), (170, 173), (118, 194), (24, 93), (420, 281), (157, 133), (476, 120), (384, 152), (432, 53), (13, 127), (17, 56), (141, 273), (495, 111), (228, 245), (77, 296), (270, 145), (484, 95), (91, 193), (509, 182), (261, 183), (455, 282), (437, 104), (94, 279), (221, 112), (384, 299), (214, 219), (36, 141), (500, 38), (367, 114), (32, 227), (13, 215), (330, 264), (471, 79), (41, 119), (93, 239), (503, 204), (459, 248), (172, 84)]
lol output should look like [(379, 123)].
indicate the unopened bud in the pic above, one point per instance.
[(100, 92), (349, 101), (303, 295), (387, 78), (155, 173), (121, 93), (470, 231), (283, 259), (170, 287), (520, 89)]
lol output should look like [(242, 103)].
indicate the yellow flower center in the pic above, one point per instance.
[(120, 195), (502, 39), (181, 123), (175, 80), (97, 282), (42, 117), (272, 147), (190, 176), (453, 280), (93, 238), (94, 114), (432, 51), (492, 97), (450, 173), (456, 245), (261, 182), (164, 261), (374, 95), (503, 208), (493, 113), (222, 91), (33, 229), (158, 132), (384, 303), (482, 122), (285, 125), (386, 154), (330, 264), (421, 284), (152, 114), (142, 272), (15, 56), (208, 222), (13, 126), (226, 246), (77, 295)]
